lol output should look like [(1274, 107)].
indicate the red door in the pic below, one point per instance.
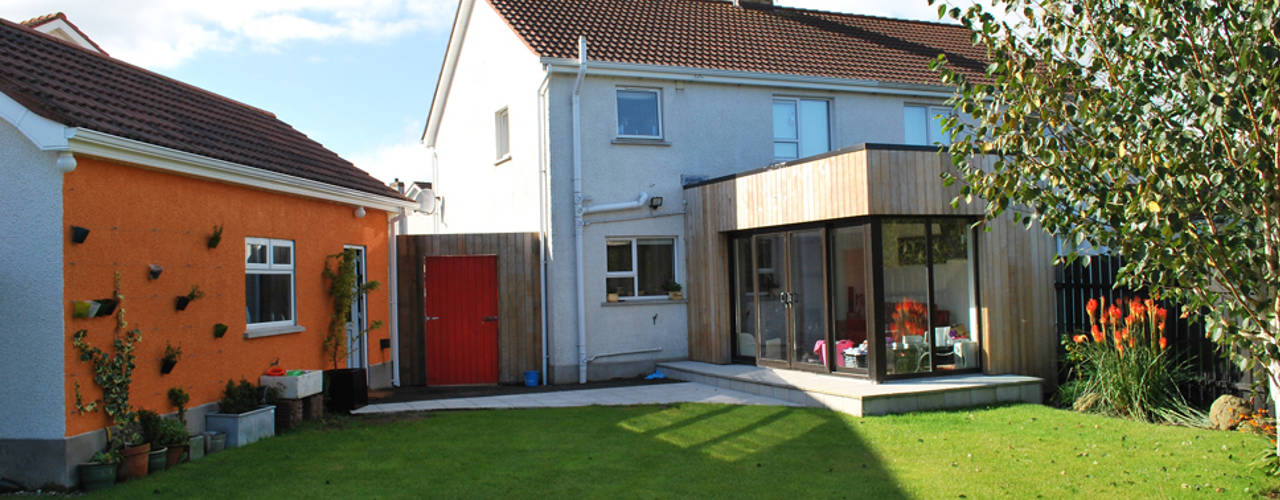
[(462, 320)]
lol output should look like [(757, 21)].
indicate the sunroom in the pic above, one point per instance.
[(855, 263)]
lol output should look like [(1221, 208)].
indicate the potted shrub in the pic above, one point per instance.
[(151, 426), (170, 358), (674, 290), (240, 416), (345, 389), (173, 436), (134, 453), (195, 442), (183, 301), (100, 471)]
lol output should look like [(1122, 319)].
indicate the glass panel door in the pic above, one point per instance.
[(807, 298), (771, 296), (852, 300), (905, 255), (744, 300)]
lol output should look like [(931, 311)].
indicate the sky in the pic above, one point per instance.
[(355, 75)]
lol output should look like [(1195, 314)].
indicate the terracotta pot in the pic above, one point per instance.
[(176, 451), (134, 463)]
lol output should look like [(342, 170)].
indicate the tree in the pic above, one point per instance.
[(1148, 128)]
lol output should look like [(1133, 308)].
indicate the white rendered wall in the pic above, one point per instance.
[(495, 70), (31, 310)]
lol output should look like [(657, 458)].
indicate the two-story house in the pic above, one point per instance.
[(589, 122)]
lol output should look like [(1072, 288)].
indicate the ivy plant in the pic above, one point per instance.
[(340, 273), (112, 371)]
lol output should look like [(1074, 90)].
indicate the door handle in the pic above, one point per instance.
[(490, 318), (429, 318)]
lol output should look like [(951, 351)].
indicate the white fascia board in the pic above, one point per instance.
[(61, 26), (445, 81), (46, 134), (97, 144), (658, 72)]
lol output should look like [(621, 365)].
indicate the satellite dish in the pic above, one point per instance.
[(427, 201)]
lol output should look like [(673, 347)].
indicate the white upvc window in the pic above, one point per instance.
[(639, 113), (923, 124), (269, 283), (801, 127), (640, 267), (502, 135)]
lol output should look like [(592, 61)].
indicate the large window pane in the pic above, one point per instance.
[(814, 136), (744, 295), (770, 282), (784, 120), (906, 294), (955, 311), (807, 298), (268, 297), (638, 113), (851, 278), (914, 119), (656, 265)]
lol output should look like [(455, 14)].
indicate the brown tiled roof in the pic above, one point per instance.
[(37, 21), (718, 35), (79, 88)]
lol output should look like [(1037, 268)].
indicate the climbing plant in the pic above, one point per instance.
[(113, 372), (340, 272)]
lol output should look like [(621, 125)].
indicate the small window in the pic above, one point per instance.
[(639, 113), (640, 267), (923, 125), (502, 135), (268, 286), (801, 127)]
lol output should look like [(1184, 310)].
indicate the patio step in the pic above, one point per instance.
[(860, 397)]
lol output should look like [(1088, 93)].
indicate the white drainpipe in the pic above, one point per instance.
[(542, 218), (577, 209), (622, 205), (393, 290)]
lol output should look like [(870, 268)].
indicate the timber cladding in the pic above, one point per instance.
[(519, 298), (1015, 275)]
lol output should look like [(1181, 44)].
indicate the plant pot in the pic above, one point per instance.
[(166, 365), (134, 463), (612, 297), (83, 308), (295, 387), (243, 428), (78, 234), (675, 295), (181, 302), (174, 456), (345, 389), (97, 476), (195, 447), (215, 441), (219, 330), (155, 460), (153, 271), (106, 307)]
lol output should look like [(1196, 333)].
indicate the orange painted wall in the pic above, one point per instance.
[(139, 217)]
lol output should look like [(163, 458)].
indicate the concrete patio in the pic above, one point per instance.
[(857, 396), (685, 392)]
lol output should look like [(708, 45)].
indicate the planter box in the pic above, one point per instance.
[(301, 386), (243, 428)]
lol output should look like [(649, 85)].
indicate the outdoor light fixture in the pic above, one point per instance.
[(360, 212), (655, 202)]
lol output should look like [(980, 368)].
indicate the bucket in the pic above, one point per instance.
[(531, 378)]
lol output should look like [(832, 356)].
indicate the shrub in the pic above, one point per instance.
[(171, 432), (1122, 366), (149, 423), (238, 398)]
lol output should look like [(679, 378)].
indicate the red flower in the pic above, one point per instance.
[(1097, 334), (1079, 339), (1115, 312), (1163, 343), (1161, 316), (1092, 308), (1136, 308)]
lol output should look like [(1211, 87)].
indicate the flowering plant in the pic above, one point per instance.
[(1122, 366)]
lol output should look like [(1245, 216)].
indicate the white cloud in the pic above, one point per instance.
[(164, 33), (407, 161)]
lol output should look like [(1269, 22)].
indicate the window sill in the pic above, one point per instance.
[(633, 141), (504, 159), (270, 331), (655, 302)]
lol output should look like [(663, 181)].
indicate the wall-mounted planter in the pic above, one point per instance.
[(106, 306), (182, 302), (166, 365), (85, 308), (310, 382), (219, 330), (215, 238), (78, 234), (243, 428), (153, 271)]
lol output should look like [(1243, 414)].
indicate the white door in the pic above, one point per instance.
[(358, 345)]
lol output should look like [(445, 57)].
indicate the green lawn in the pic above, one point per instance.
[(700, 450)]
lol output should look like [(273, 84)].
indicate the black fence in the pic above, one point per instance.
[(1076, 283)]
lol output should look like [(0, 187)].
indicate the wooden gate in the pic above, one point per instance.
[(462, 320)]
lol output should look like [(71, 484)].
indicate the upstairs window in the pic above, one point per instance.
[(268, 282), (801, 127), (640, 267), (639, 113), (924, 125), (502, 135)]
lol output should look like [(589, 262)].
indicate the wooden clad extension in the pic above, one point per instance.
[(519, 298), (1015, 264)]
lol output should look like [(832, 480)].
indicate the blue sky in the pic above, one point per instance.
[(355, 75)]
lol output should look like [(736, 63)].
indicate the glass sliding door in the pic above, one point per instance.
[(807, 298), (851, 296), (955, 312), (771, 296), (905, 270), (744, 301)]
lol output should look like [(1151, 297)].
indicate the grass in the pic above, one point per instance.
[(700, 450)]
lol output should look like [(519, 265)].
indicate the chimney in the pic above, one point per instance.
[(753, 3)]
